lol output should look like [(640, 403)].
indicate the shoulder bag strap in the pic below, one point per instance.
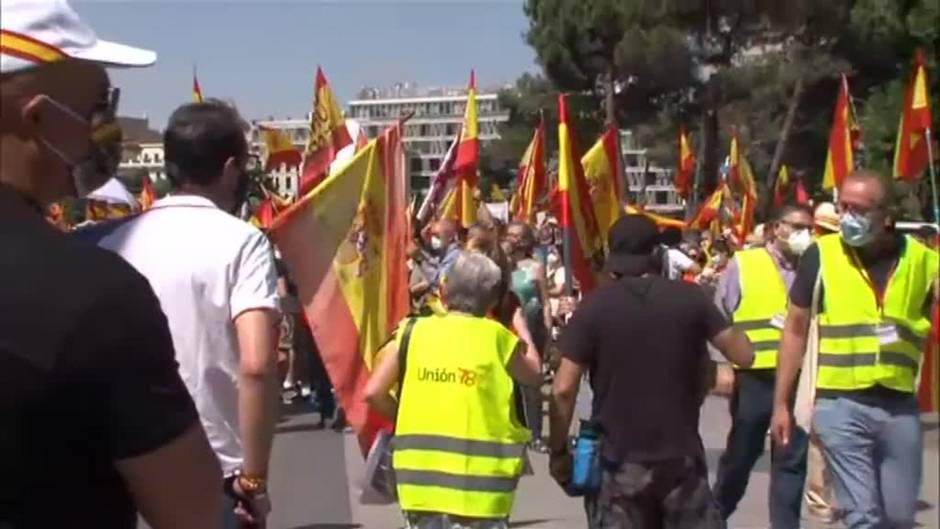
[(403, 354)]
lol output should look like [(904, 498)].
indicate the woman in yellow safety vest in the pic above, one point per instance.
[(459, 443)]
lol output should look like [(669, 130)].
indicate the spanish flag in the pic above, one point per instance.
[(583, 245), (660, 220), (147, 196), (197, 92), (602, 172), (328, 134), (279, 149), (743, 177), (686, 165), (710, 210), (530, 178), (781, 186), (345, 244), (910, 149), (467, 164), (840, 158)]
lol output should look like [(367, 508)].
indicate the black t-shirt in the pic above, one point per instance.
[(87, 376), (643, 341)]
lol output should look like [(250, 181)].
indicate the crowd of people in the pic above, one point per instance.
[(137, 383)]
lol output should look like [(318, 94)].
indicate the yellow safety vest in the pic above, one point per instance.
[(852, 356), (763, 296), (458, 444)]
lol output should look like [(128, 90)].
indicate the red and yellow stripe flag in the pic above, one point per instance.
[(197, 92), (840, 159), (530, 178), (928, 394), (279, 149), (466, 166), (660, 220), (710, 209), (781, 186), (602, 172), (742, 177), (147, 196), (345, 244), (910, 149), (582, 239), (686, 166), (328, 134)]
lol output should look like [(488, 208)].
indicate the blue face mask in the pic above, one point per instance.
[(856, 229)]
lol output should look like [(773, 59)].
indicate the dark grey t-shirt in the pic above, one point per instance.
[(643, 341)]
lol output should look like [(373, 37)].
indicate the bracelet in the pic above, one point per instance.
[(251, 484)]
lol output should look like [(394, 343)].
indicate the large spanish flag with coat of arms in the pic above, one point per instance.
[(345, 245)]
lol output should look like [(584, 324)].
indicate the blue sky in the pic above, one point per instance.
[(263, 54)]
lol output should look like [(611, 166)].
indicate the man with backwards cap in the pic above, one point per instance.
[(96, 422)]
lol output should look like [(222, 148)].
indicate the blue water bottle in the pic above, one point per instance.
[(586, 471)]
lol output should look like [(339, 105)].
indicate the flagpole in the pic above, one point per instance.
[(933, 176)]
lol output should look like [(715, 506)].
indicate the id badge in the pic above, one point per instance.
[(778, 320), (887, 333)]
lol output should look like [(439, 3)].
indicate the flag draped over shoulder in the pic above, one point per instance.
[(582, 240), (910, 149), (466, 165), (328, 134), (531, 181), (279, 149), (840, 159), (601, 166), (345, 244), (686, 165)]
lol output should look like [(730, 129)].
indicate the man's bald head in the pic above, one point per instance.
[(865, 192), (446, 230)]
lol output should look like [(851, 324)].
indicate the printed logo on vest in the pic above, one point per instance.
[(465, 377)]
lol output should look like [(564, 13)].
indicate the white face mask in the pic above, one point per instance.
[(552, 259), (436, 242), (799, 241)]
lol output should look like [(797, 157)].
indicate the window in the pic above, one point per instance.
[(435, 164), (416, 164)]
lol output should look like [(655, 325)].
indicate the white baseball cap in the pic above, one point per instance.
[(35, 32)]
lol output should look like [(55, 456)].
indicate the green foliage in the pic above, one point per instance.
[(674, 59)]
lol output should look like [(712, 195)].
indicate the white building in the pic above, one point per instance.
[(286, 180), (654, 184), (146, 156), (438, 116)]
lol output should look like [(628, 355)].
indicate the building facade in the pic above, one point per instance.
[(648, 184), (437, 118)]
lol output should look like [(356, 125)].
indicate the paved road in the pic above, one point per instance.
[(315, 485)]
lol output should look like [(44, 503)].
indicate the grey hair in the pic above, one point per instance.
[(472, 283)]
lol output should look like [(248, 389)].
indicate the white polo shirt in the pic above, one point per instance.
[(206, 267)]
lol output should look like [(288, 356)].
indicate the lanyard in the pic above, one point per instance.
[(879, 294)]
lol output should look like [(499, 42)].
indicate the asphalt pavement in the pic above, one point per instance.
[(316, 474)]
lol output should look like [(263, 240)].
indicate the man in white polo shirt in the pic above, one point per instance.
[(215, 277)]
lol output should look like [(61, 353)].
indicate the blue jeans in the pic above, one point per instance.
[(874, 455), (751, 408)]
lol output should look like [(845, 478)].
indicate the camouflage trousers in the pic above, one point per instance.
[(432, 520), (672, 494)]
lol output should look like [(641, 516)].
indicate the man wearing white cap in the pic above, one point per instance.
[(96, 422)]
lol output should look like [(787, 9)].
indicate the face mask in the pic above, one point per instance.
[(856, 229), (104, 154), (799, 241), (552, 259), (436, 242)]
